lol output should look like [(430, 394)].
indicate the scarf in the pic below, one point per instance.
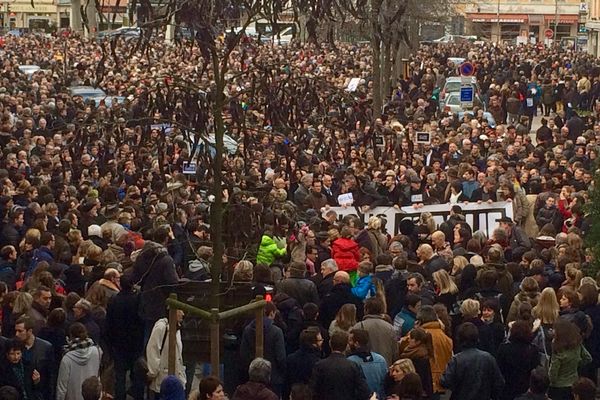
[(19, 371), (77, 343)]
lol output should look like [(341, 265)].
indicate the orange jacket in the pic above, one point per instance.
[(442, 349)]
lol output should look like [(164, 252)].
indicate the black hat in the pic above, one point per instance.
[(86, 207), (506, 220)]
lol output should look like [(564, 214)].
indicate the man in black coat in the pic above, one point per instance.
[(12, 231), (340, 294), (328, 269), (300, 364), (296, 284), (125, 334), (336, 377), (472, 374), (154, 270), (39, 354)]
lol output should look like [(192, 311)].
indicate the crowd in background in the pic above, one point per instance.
[(99, 222)]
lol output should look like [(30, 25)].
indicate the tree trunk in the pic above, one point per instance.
[(386, 71), (216, 209), (376, 45)]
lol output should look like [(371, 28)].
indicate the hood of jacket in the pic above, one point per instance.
[(363, 353), (149, 252), (267, 241), (528, 296), (284, 302), (81, 356), (344, 244)]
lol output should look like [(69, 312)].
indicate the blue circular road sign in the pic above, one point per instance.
[(466, 69)]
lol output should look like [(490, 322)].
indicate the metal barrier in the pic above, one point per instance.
[(214, 317)]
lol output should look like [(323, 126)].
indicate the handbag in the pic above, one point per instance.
[(544, 357), (141, 364)]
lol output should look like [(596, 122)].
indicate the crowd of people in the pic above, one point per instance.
[(100, 222)]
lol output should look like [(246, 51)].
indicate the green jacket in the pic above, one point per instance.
[(268, 250), (564, 365)]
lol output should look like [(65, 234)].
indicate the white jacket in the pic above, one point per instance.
[(158, 361)]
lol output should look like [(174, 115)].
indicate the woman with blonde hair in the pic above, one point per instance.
[(547, 308), (344, 320), (426, 220), (377, 240), (397, 372), (546, 314), (445, 289), (458, 264), (242, 272), (573, 276)]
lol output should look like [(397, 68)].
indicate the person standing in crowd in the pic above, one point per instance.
[(81, 361), (382, 337), (517, 370), (299, 365), (157, 353), (337, 377), (154, 271), (538, 385), (340, 294), (257, 387), (373, 365), (297, 285), (39, 354), (568, 355), (125, 336), (274, 346), (472, 373)]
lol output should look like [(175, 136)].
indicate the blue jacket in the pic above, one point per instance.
[(364, 287), (41, 254), (374, 367), (404, 322)]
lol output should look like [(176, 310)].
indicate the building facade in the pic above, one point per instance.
[(507, 20), (593, 27)]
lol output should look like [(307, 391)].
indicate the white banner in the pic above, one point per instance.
[(481, 217)]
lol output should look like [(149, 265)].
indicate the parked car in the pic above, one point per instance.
[(451, 39), (488, 117), (126, 32), (453, 104), (88, 93), (29, 70)]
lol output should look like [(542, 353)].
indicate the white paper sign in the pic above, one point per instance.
[(345, 199), (353, 84)]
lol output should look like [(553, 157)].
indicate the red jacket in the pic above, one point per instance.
[(345, 253)]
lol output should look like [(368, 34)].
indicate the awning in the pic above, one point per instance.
[(504, 18), (534, 19), (563, 19)]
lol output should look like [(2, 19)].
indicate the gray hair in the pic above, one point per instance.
[(426, 314), (260, 371), (331, 264), (396, 246)]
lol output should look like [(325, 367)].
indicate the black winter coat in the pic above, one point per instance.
[(274, 347), (124, 328), (8, 377), (340, 294), (155, 268), (516, 369), (300, 364), (473, 374), (336, 377)]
